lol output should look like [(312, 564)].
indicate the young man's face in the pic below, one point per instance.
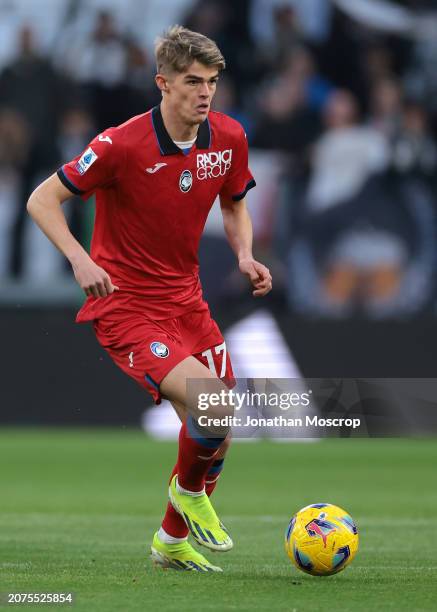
[(189, 93)]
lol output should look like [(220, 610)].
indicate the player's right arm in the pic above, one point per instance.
[(45, 208)]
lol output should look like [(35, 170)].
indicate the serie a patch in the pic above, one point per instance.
[(86, 161)]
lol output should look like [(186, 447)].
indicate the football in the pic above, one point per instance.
[(321, 539)]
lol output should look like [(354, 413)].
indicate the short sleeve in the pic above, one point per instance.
[(95, 168), (239, 179)]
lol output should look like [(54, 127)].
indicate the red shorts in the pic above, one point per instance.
[(148, 350)]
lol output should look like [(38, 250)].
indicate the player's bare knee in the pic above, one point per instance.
[(211, 408), (213, 399), (206, 397)]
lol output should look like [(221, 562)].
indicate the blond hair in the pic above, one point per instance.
[(179, 47)]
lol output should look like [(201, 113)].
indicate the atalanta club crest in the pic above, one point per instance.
[(159, 350), (185, 181)]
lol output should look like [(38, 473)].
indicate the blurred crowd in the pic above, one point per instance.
[(350, 108)]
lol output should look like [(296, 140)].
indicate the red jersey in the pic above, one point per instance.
[(152, 201)]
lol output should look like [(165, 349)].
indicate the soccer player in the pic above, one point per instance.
[(155, 179)]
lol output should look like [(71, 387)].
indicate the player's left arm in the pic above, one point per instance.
[(238, 228)]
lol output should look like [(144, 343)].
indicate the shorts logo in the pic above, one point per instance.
[(105, 139), (86, 161), (214, 164), (159, 350), (185, 181)]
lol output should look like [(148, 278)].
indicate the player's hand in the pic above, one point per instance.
[(92, 278), (258, 274)]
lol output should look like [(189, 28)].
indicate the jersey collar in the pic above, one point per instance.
[(166, 144)]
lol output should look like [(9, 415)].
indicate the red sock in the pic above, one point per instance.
[(173, 523), (195, 457)]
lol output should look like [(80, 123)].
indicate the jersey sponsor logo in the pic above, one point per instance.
[(214, 164), (155, 168), (185, 181), (86, 161), (105, 139), (159, 350)]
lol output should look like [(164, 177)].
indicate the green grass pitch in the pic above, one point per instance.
[(78, 510)]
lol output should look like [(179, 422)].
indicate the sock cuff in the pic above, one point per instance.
[(193, 432), (166, 538), (188, 492)]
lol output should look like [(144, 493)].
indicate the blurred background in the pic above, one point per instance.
[(339, 102)]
